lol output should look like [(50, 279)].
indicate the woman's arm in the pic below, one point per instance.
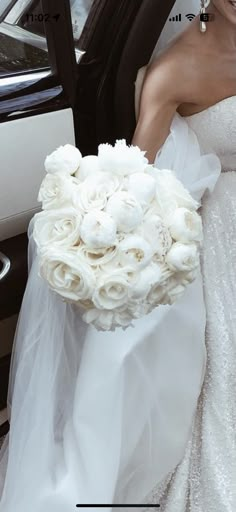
[(163, 91)]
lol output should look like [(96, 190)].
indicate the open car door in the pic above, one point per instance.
[(67, 75)]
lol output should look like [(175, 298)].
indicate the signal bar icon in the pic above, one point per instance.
[(176, 18)]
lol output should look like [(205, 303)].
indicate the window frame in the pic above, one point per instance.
[(59, 79)]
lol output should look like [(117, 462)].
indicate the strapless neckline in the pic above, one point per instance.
[(210, 107)]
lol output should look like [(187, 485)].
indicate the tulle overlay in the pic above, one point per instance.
[(99, 417)]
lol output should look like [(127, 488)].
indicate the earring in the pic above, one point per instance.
[(204, 5)]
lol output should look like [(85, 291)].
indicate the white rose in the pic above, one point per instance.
[(139, 309), (56, 191), (185, 225), (135, 252), (58, 227), (67, 274), (89, 165), (107, 320), (123, 318), (98, 230), (157, 234), (142, 187), (147, 278), (125, 210), (112, 289), (189, 277), (156, 296), (170, 193), (95, 190), (183, 257), (175, 293), (122, 159), (102, 320), (65, 159)]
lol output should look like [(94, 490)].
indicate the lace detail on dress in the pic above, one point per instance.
[(216, 131)]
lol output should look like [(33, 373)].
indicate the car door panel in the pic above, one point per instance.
[(22, 161)]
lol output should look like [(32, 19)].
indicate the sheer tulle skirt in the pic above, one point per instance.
[(102, 417)]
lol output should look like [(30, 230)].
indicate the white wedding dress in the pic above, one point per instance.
[(205, 480), (104, 417)]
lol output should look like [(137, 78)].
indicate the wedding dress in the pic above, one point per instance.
[(205, 480), (100, 418)]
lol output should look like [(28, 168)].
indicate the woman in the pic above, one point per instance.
[(103, 417), (196, 76)]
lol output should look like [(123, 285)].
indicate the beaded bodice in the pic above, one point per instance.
[(215, 128)]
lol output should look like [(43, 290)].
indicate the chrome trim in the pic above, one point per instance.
[(18, 79), (17, 11), (5, 7), (6, 265), (23, 35), (35, 40)]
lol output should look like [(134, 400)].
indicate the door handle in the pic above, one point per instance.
[(6, 265)]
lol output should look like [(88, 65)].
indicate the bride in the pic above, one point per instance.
[(107, 418), (196, 76)]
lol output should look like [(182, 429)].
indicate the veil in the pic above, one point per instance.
[(101, 418)]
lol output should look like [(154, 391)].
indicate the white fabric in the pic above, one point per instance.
[(205, 478), (102, 417)]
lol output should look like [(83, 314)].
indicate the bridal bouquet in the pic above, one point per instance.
[(117, 236)]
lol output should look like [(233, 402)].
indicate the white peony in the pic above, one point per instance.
[(121, 159), (67, 274), (157, 234), (95, 190), (89, 165), (98, 230), (125, 210), (135, 252), (56, 191), (186, 226), (170, 193), (112, 289), (58, 227), (142, 186), (65, 159), (183, 257), (102, 257)]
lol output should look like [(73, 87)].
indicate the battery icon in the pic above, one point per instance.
[(205, 16)]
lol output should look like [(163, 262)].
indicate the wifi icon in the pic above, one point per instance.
[(190, 16)]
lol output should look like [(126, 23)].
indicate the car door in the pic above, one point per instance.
[(38, 78), (67, 73)]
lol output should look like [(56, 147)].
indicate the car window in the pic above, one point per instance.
[(32, 19), (17, 56), (23, 44)]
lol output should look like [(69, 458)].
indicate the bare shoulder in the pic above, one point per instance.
[(175, 75)]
